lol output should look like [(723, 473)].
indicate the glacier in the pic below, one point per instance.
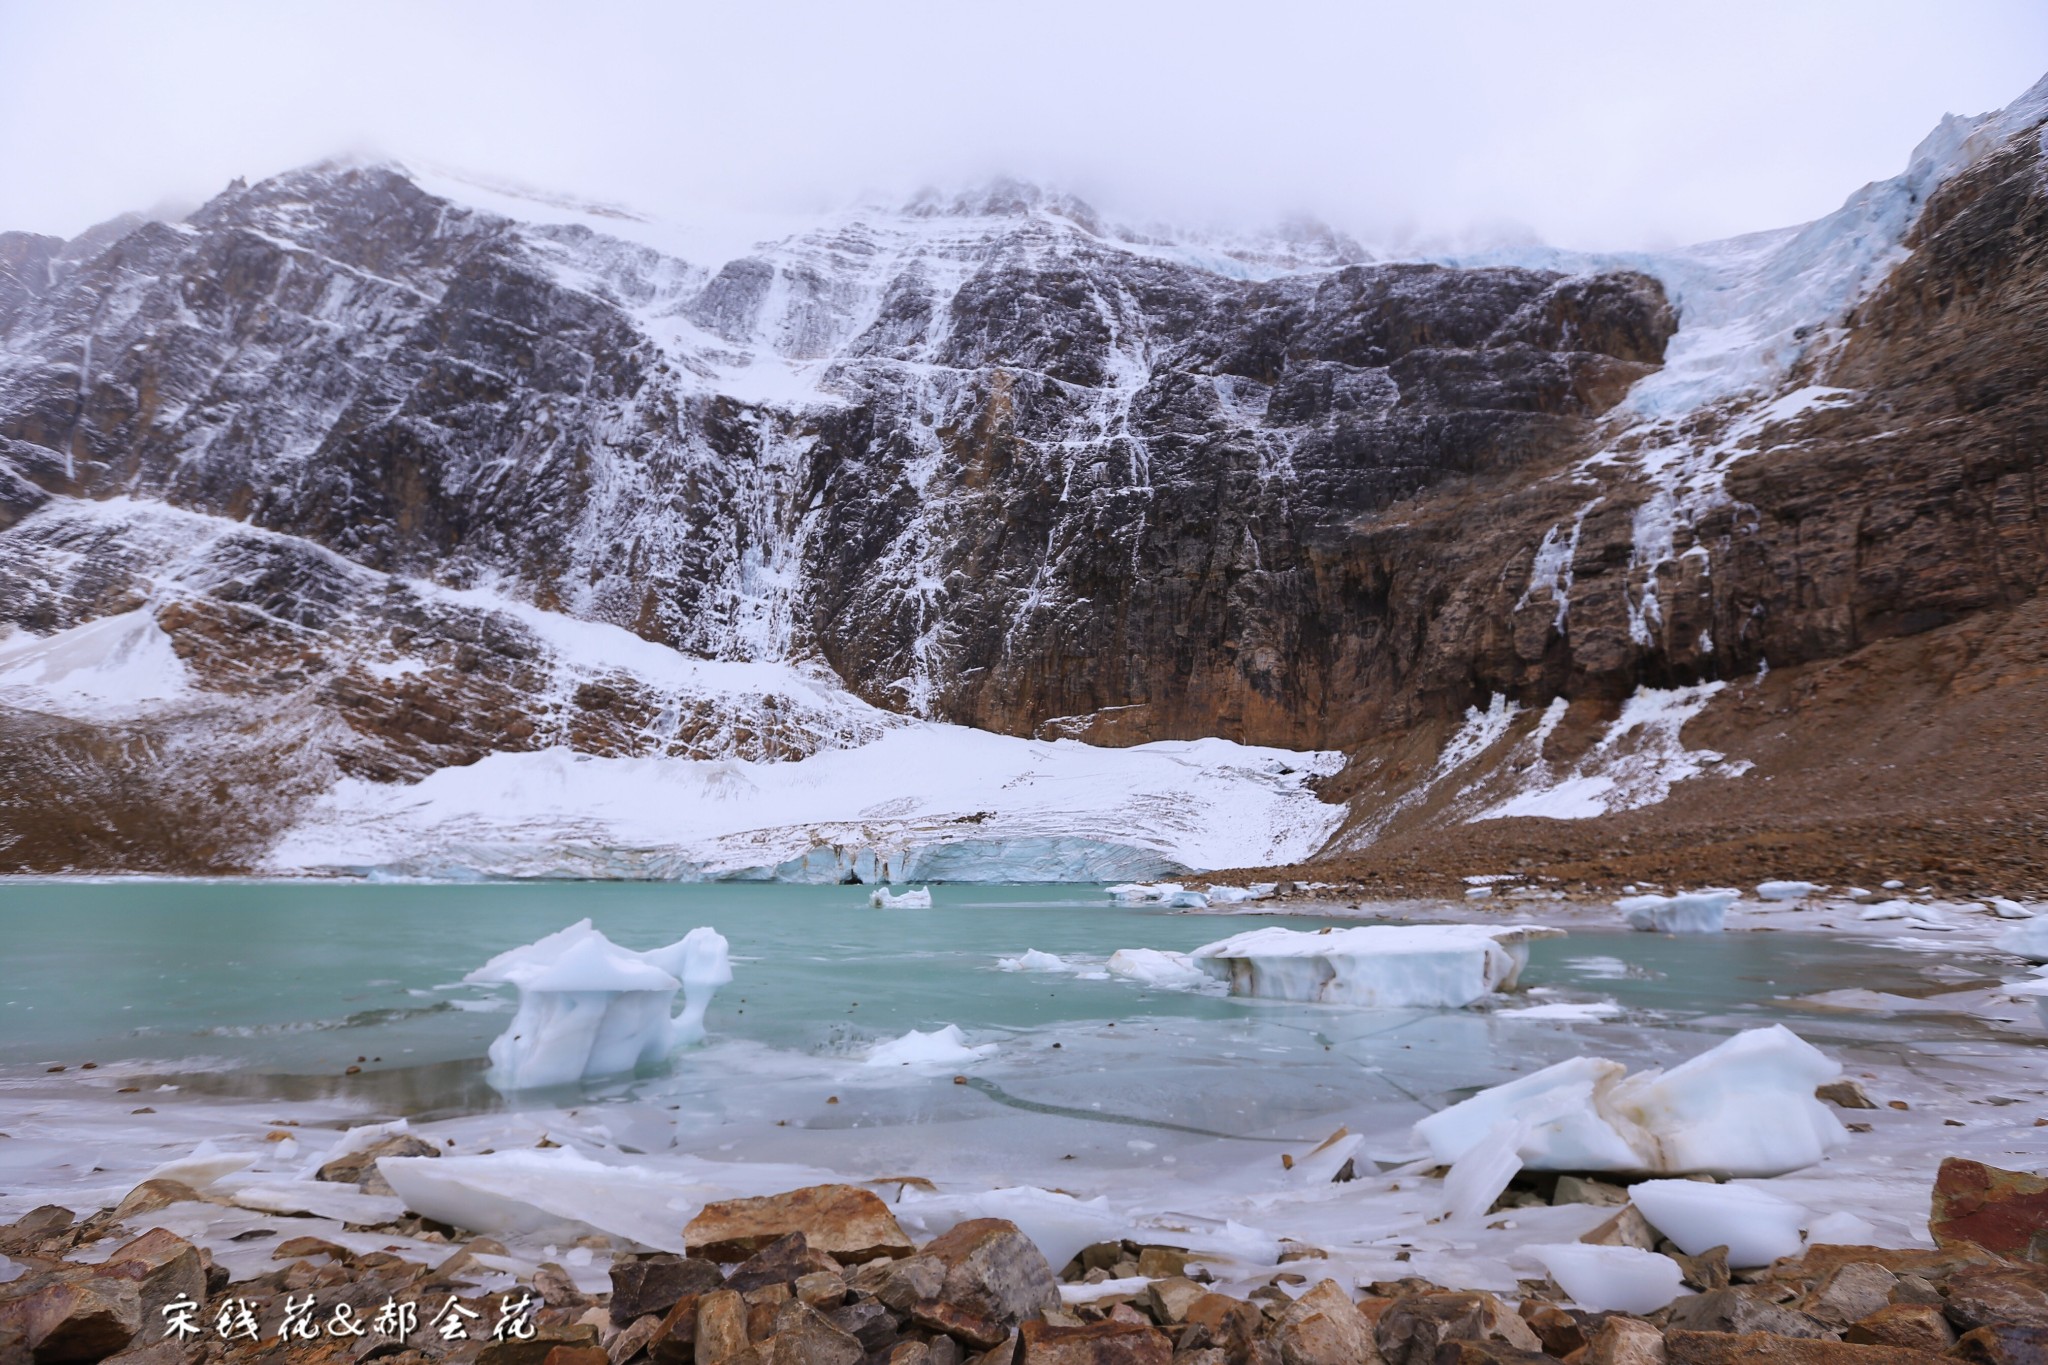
[(955, 804)]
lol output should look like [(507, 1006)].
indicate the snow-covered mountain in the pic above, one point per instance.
[(361, 475)]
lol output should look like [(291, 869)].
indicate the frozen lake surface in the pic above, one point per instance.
[(231, 1011)]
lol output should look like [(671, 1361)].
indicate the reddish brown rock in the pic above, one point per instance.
[(1096, 1343), (656, 1282), (1410, 1331), (164, 1268), (783, 1261), (2002, 1211), (88, 1318), (845, 1222), (1982, 1296), (1324, 1327), (1920, 1326), (721, 1331), (1682, 1347), (803, 1336), (2003, 1345), (992, 1269), (1624, 1341)]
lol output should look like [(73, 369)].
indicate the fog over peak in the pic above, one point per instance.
[(1595, 125)]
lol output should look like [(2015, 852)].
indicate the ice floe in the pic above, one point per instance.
[(1386, 966), (589, 1008), (1688, 912), (1032, 960), (1157, 967), (1744, 1107), (1787, 891), (916, 898)]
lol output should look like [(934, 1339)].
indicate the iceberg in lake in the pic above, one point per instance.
[(1385, 966), (589, 1008), (1743, 1108), (1688, 912), (916, 898)]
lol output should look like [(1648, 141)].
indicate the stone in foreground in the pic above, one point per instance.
[(847, 1223)]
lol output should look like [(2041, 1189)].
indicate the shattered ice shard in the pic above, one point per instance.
[(589, 1008), (1155, 967), (1756, 1226), (1743, 1108), (1603, 1279), (1688, 912), (945, 1046), (2036, 991), (1385, 966), (916, 898)]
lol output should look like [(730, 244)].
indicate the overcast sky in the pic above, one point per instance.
[(1643, 123)]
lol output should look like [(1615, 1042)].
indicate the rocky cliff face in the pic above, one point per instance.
[(334, 441)]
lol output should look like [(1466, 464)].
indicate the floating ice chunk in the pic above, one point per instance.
[(1152, 967), (1886, 910), (1188, 900), (1756, 1227), (1745, 1107), (941, 1047), (1688, 912), (1565, 1009), (2027, 939), (1787, 891), (1842, 1230), (1611, 1279), (589, 1008), (2009, 909), (1238, 895), (1384, 966), (1031, 960), (916, 898)]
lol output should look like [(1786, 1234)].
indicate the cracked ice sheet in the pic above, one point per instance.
[(922, 801), (1228, 1197)]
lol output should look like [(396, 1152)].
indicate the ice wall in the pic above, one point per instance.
[(589, 1008)]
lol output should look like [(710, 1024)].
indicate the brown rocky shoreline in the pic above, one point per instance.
[(826, 1276)]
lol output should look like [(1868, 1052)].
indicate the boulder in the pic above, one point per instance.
[(1560, 1332), (1624, 1341), (1844, 1094), (845, 1222), (37, 1225), (1744, 1308), (88, 1318), (360, 1167), (1096, 1343), (1982, 1296), (656, 1282), (721, 1329), (163, 1267), (1850, 1292), (783, 1261), (1920, 1326), (803, 1336), (2003, 1345), (2002, 1211), (1627, 1228), (1682, 1347), (152, 1195), (1414, 1326), (992, 1269), (1324, 1327), (1169, 1299)]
